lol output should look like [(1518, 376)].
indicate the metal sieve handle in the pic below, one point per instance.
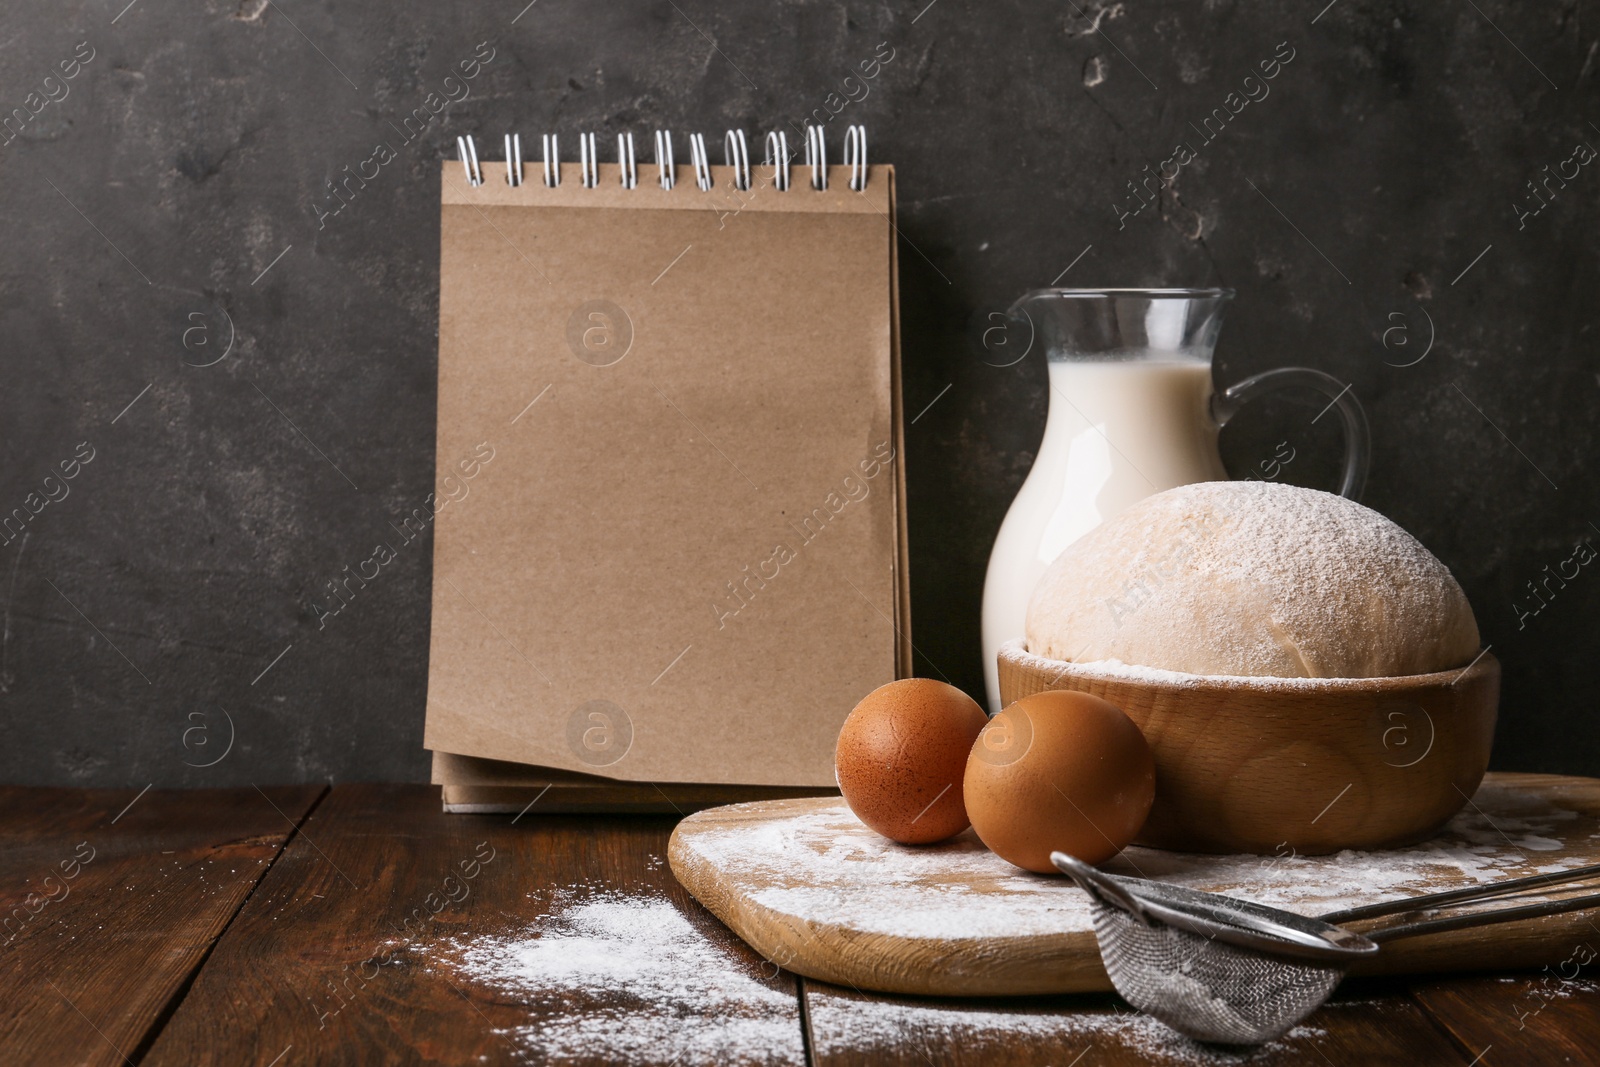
[(1216, 917), (1454, 896), (1470, 922)]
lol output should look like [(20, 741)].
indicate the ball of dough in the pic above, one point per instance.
[(1256, 579)]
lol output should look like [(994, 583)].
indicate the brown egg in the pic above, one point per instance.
[(901, 758), (1059, 771)]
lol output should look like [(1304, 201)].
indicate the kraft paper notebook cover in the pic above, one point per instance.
[(669, 538)]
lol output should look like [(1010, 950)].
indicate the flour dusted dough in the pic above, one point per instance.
[(1256, 579)]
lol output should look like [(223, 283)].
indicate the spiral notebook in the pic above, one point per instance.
[(669, 520)]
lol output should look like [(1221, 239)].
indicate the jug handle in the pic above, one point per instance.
[(1357, 437)]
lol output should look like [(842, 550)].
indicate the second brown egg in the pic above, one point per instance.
[(1059, 771)]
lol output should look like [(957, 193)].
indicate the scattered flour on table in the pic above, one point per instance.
[(630, 980), (822, 867), (843, 1024), (1548, 987)]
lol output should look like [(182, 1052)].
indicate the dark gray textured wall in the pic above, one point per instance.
[(174, 200)]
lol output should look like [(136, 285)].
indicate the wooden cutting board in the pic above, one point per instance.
[(816, 892)]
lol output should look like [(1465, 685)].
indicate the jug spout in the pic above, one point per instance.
[(1160, 325)]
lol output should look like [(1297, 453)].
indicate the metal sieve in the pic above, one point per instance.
[(1222, 969)]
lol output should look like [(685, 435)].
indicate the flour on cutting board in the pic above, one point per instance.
[(821, 865)]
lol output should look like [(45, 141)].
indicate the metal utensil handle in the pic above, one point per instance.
[(1468, 922), (1218, 918), (1453, 896)]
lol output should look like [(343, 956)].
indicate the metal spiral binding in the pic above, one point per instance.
[(513, 159), (669, 173), (702, 163), (778, 156), (735, 150), (625, 160), (855, 156), (588, 160), (469, 159), (736, 154), (552, 162), (817, 158)]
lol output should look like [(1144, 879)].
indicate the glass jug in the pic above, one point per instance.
[(1131, 413)]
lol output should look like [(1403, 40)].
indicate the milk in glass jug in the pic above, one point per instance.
[(1132, 412)]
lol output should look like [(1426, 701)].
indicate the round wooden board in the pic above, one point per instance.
[(816, 892)]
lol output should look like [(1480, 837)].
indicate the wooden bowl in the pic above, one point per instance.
[(1283, 766)]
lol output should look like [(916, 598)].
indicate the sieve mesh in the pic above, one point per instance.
[(1204, 988)]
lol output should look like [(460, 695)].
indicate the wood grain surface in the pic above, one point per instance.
[(809, 887), (112, 898), (324, 966), (1550, 1017), (128, 943)]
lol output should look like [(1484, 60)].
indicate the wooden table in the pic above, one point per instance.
[(360, 924)]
